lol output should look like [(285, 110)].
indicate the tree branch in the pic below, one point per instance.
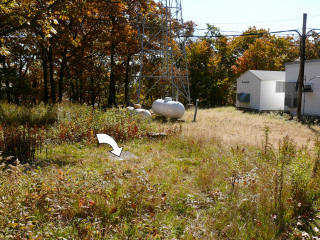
[(22, 26)]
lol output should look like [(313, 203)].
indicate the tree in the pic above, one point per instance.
[(224, 55), (83, 50), (266, 52), (312, 46), (200, 64)]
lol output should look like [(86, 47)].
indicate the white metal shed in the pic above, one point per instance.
[(261, 90), (310, 104)]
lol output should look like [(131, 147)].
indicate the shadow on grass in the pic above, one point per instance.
[(163, 119), (63, 155), (313, 129), (42, 163)]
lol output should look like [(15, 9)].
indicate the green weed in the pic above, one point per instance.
[(40, 115), (177, 187)]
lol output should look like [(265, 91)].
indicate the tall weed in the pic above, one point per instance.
[(317, 156), (40, 115), (20, 142), (287, 152), (22, 130), (80, 123)]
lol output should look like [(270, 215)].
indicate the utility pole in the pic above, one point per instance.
[(302, 59)]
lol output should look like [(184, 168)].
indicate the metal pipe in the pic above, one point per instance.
[(195, 111)]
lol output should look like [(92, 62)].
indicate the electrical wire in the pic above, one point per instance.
[(204, 29), (273, 21), (251, 34)]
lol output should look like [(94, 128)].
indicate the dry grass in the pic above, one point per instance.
[(193, 185), (232, 127)]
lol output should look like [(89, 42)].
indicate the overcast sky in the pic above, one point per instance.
[(238, 15)]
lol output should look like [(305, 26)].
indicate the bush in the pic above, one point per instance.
[(41, 115), (22, 130), (20, 142), (81, 123)]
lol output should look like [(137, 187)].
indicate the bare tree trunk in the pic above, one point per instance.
[(126, 87), (53, 87), (8, 91), (45, 74), (3, 61), (92, 90), (112, 86), (63, 65), (81, 82), (72, 95)]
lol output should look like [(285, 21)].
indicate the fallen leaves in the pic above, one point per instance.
[(163, 196), (114, 210)]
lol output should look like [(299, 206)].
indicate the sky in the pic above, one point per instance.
[(236, 16)]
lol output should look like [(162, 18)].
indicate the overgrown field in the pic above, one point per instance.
[(230, 175)]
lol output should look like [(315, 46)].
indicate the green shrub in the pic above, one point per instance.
[(81, 123), (40, 115)]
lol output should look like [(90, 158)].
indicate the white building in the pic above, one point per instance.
[(310, 104), (261, 90)]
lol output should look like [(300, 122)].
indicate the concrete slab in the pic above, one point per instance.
[(156, 135), (125, 155)]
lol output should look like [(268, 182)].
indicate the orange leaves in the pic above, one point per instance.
[(114, 210), (64, 17), (86, 203), (163, 196), (151, 210), (215, 194), (81, 203), (258, 222), (262, 52), (92, 203)]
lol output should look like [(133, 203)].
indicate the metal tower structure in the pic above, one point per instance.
[(162, 61)]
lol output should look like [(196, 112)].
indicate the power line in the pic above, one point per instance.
[(272, 21), (205, 29), (255, 34), (248, 34)]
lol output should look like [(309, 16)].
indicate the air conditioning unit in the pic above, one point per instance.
[(308, 87), (290, 102), (291, 95), (243, 97)]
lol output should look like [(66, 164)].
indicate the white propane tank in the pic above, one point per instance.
[(168, 108), (142, 112)]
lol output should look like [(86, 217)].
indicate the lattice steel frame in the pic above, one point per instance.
[(170, 36)]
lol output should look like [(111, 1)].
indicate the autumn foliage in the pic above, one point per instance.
[(85, 51)]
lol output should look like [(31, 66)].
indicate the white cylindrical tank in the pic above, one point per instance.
[(137, 110), (168, 108), (142, 112)]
